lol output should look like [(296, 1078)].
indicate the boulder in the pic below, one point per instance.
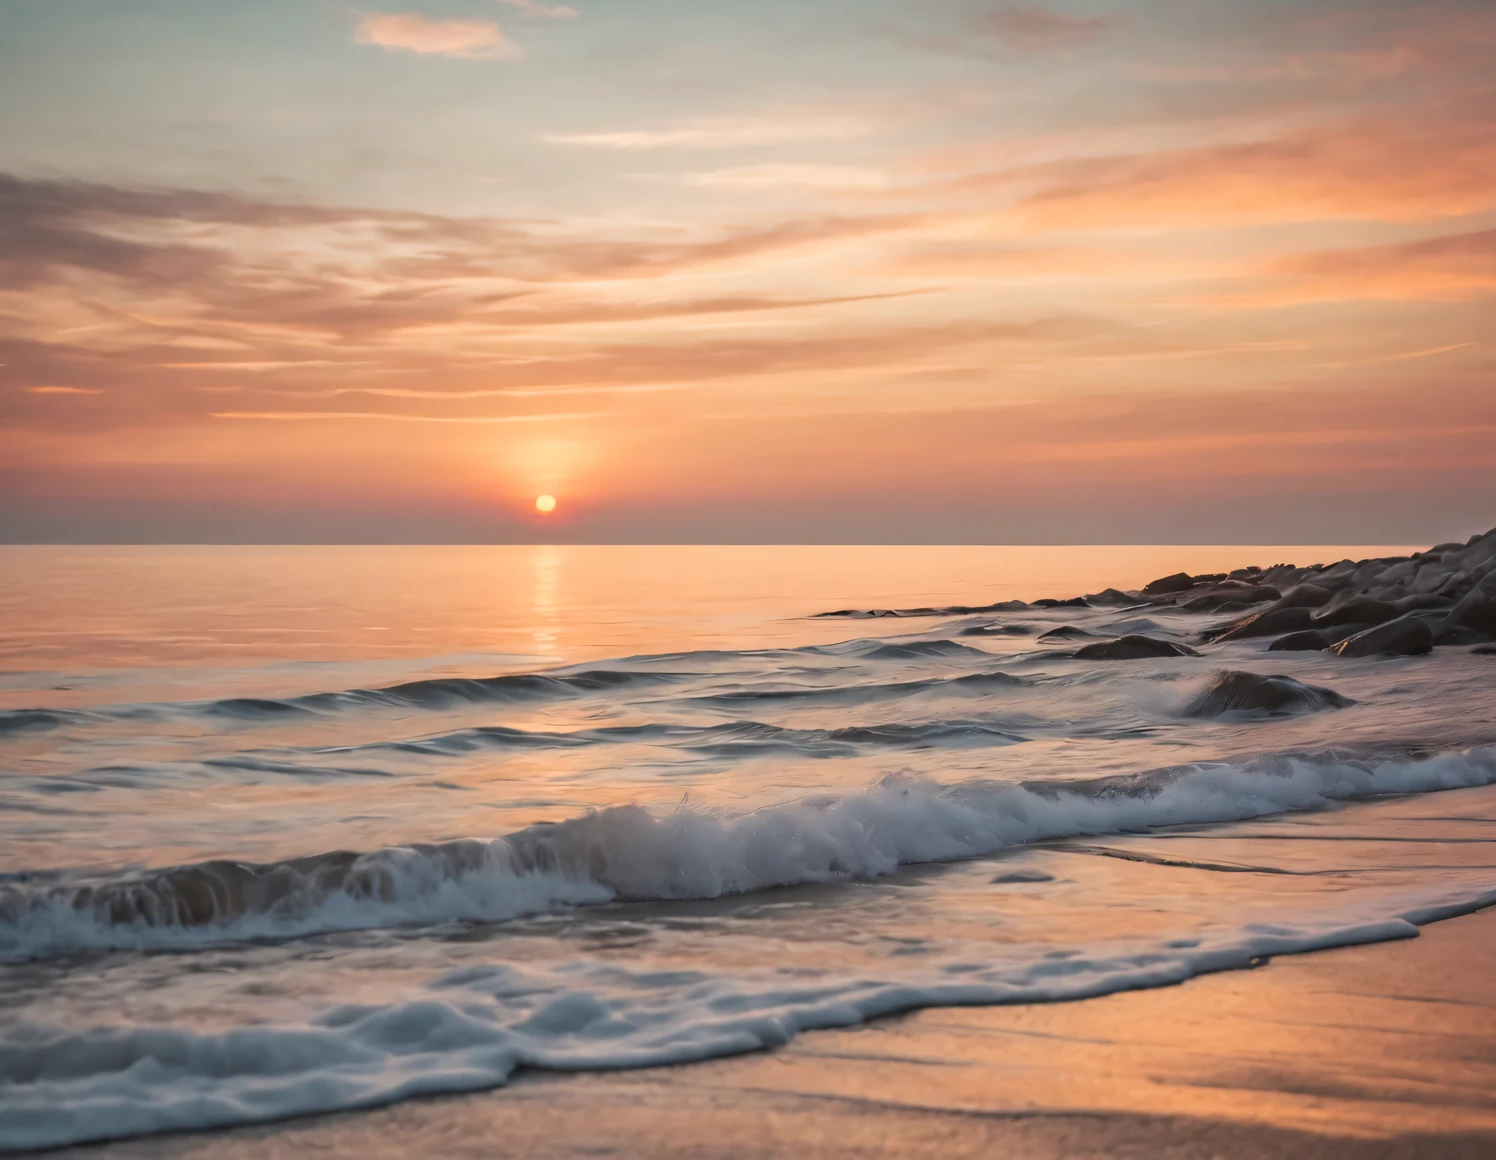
[(1065, 632), (1110, 596), (1479, 615), (1238, 692), (1051, 602), (1306, 641), (1305, 596), (1407, 636), (1221, 596), (1268, 622), (1168, 585), (1361, 610), (1132, 648)]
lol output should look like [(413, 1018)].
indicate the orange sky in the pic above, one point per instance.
[(857, 271)]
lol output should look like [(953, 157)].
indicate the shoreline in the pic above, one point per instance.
[(1381, 1051)]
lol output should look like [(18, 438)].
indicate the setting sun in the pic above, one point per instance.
[(545, 504)]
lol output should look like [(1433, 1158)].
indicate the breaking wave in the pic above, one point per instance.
[(628, 853)]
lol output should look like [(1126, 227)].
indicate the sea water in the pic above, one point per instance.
[(289, 830)]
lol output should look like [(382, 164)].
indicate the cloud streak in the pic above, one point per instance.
[(412, 32)]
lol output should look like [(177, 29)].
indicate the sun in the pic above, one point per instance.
[(545, 504)]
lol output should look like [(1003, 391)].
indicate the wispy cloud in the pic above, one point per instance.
[(1452, 268), (718, 133), (64, 390), (789, 177), (544, 11), (1032, 27), (412, 32), (395, 417)]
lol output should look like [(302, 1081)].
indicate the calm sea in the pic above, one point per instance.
[(302, 829)]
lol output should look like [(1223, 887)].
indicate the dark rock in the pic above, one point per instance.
[(1065, 632), (1336, 633), (1425, 602), (1299, 642), (1050, 602), (1484, 651), (1269, 622), (1480, 616), (1305, 596), (1132, 648), (1361, 610), (1221, 596), (1168, 585), (1456, 636), (1110, 596), (1407, 636), (1238, 692)]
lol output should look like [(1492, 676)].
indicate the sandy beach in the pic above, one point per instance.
[(1383, 1051)]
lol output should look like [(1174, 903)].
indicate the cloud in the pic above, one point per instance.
[(1452, 268), (1381, 171), (64, 390), (395, 417), (411, 32), (789, 177), (544, 11), (721, 133), (224, 266), (1029, 26)]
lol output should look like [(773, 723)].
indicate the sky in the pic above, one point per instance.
[(867, 271)]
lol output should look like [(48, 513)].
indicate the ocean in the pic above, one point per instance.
[(297, 830)]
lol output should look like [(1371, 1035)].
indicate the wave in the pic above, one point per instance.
[(626, 852), (474, 1027), (971, 683), (728, 738), (431, 693)]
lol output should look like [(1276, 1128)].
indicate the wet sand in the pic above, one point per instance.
[(1368, 1052)]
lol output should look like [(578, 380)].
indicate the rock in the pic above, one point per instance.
[(1456, 636), (1268, 622), (1168, 585), (1305, 641), (1305, 596), (1238, 692), (1407, 636), (1110, 596), (1479, 615), (1065, 632), (1484, 651), (1339, 632), (1361, 610), (1421, 603), (1132, 648), (1050, 602), (1222, 596)]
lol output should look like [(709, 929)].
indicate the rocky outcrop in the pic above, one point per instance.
[(1238, 692), (1269, 622), (1132, 648), (1408, 636), (1449, 589)]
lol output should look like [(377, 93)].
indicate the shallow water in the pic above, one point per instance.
[(289, 830)]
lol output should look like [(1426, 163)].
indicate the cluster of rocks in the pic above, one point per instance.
[(1404, 605)]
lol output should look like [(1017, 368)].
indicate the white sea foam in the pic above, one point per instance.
[(630, 853), (474, 1027)]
